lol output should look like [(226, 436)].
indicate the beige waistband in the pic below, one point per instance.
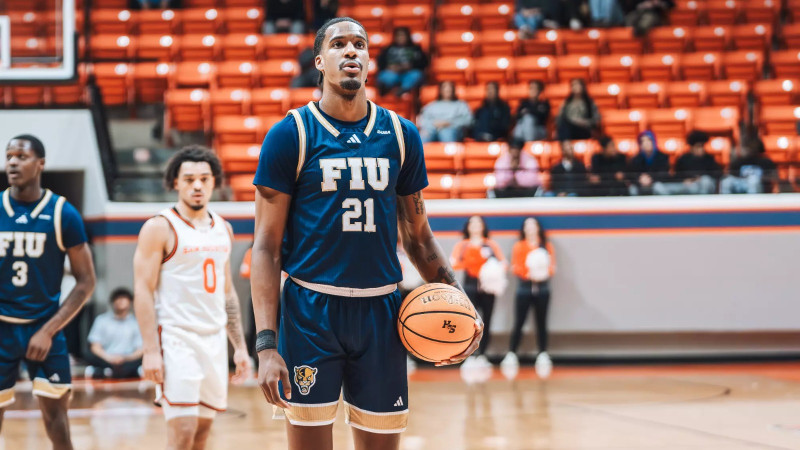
[(15, 320), (345, 291)]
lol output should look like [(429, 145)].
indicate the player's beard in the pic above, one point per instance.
[(350, 84)]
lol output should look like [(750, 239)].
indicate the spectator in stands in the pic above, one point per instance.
[(529, 16), (444, 119), (752, 172), (579, 116), (696, 172), (568, 177), (402, 64), (493, 117), (649, 166), (516, 172), (155, 4), (643, 15), (532, 115), (533, 261), (608, 170), (606, 13), (309, 75), (470, 255), (284, 16), (115, 341), (324, 10)]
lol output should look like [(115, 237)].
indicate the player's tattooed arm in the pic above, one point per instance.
[(419, 243)]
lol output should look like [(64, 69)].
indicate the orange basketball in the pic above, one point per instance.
[(436, 322)]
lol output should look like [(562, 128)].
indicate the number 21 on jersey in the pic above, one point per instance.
[(377, 177)]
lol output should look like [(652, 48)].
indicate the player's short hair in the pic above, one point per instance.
[(120, 292), (36, 144), (696, 137), (604, 140), (320, 37), (192, 153)]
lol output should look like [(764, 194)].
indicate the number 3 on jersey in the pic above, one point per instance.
[(209, 276), (21, 278)]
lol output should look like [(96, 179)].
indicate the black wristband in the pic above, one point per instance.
[(266, 340)]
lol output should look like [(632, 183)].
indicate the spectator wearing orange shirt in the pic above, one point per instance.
[(470, 255), (533, 262)]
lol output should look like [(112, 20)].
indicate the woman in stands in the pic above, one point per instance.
[(477, 253), (579, 116), (446, 118), (533, 261)]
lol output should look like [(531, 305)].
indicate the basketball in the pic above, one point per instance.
[(436, 322)]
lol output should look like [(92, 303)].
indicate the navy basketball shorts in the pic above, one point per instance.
[(51, 377), (344, 345)]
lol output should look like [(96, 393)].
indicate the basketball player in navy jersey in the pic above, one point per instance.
[(37, 229), (332, 178)]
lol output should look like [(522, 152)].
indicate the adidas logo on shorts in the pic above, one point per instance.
[(399, 401)]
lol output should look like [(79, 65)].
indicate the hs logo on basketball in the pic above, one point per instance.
[(304, 378), (449, 326)]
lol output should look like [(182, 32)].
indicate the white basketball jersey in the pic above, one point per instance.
[(191, 287)]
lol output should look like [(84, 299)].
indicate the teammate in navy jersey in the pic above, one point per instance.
[(37, 229), (332, 179)]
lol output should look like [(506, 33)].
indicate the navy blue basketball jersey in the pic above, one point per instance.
[(344, 179), (34, 238)]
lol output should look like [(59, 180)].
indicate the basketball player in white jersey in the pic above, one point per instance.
[(185, 302)]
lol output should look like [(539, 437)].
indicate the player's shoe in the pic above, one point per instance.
[(411, 365), (88, 373), (510, 360), (544, 365), (482, 361)]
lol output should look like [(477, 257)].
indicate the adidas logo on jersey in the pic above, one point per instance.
[(399, 401), (384, 132), (22, 220), (354, 140)]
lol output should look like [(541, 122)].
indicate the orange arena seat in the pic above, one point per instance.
[(685, 94), (700, 66), (236, 74), (776, 92), (193, 74), (669, 122), (415, 17), (779, 119), (458, 70), (624, 123), (556, 94), (112, 21), (150, 81), (277, 73), (114, 80), (583, 42), (242, 20), (790, 35), (710, 39), (473, 95), (156, 21), (494, 16), (269, 101), (439, 186), (456, 16), (242, 187), (443, 156), (721, 121), (455, 43), (492, 68), (371, 17), (544, 43), (645, 95), (569, 67), (745, 65), (617, 68), (201, 20), (239, 158), (481, 156), (240, 46), (103, 47), (284, 46), (301, 96), (540, 68), (687, 13), (669, 39), (727, 93), (785, 64), (658, 67), (498, 42), (752, 37), (760, 11), (198, 47), (156, 47), (620, 40), (238, 129), (607, 95), (186, 109), (70, 94), (722, 12), (229, 101), (474, 185)]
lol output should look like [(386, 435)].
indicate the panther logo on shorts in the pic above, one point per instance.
[(304, 378)]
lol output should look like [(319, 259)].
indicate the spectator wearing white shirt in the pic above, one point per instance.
[(116, 343)]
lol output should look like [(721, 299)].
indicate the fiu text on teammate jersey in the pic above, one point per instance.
[(34, 238), (344, 179)]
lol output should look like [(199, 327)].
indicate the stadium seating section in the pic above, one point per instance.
[(716, 65)]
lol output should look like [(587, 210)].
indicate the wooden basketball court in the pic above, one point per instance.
[(724, 407)]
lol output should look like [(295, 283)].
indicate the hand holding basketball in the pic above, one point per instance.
[(271, 369), (438, 323)]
